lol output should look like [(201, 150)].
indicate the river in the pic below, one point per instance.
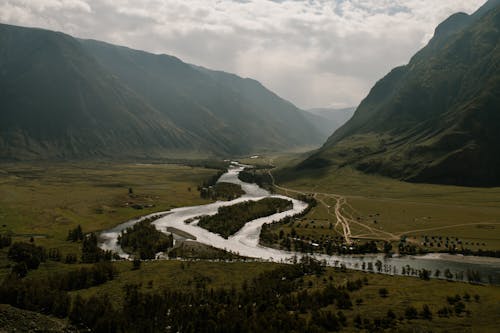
[(246, 241)]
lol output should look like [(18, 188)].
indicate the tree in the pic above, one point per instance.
[(75, 234), (459, 308), (20, 269), (383, 292), (136, 264), (391, 315), (28, 253), (387, 247), (426, 312), (5, 241), (358, 321), (411, 313), (424, 274), (91, 252)]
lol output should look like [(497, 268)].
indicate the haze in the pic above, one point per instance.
[(313, 53)]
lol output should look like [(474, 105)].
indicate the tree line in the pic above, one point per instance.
[(222, 190), (49, 294), (230, 219), (251, 175), (143, 240)]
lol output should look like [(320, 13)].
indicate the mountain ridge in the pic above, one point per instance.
[(435, 119), (64, 97)]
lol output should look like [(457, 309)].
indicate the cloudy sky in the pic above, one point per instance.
[(315, 53)]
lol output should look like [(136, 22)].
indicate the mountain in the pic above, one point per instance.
[(329, 119), (62, 97), (436, 119)]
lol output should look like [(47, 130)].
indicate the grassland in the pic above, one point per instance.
[(384, 208), (46, 200), (402, 291)]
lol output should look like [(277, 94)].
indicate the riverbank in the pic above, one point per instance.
[(246, 241)]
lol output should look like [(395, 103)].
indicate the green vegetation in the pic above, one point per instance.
[(230, 219), (49, 295), (252, 296), (225, 191), (144, 241), (77, 233), (93, 195), (257, 175), (27, 254), (434, 120), (384, 210), (195, 250), (211, 189), (91, 252), (63, 190)]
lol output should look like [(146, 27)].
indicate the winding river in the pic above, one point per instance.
[(246, 241)]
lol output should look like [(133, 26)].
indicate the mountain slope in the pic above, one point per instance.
[(64, 97), (329, 120), (52, 97), (436, 119)]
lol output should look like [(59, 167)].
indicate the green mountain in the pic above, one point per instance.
[(434, 120), (62, 97)]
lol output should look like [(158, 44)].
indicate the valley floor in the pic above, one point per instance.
[(368, 207), (45, 201)]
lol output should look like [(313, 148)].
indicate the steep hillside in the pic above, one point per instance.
[(436, 119), (61, 97), (56, 101), (329, 119)]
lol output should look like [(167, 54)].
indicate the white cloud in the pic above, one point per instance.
[(314, 53)]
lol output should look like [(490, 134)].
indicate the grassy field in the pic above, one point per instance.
[(403, 292), (47, 200), (482, 314), (384, 207)]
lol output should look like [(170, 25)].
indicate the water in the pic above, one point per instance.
[(246, 241)]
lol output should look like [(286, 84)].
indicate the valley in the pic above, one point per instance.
[(161, 184), (142, 192)]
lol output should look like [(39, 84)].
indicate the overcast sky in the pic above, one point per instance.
[(313, 53)]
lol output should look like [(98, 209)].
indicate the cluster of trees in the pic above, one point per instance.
[(222, 190), (479, 253), (5, 241), (270, 238), (271, 302), (272, 235), (456, 305), (54, 254), (212, 180), (189, 250), (76, 234), (452, 245), (27, 256), (144, 240), (252, 175), (230, 219), (91, 252), (294, 241), (49, 294), (377, 324)]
